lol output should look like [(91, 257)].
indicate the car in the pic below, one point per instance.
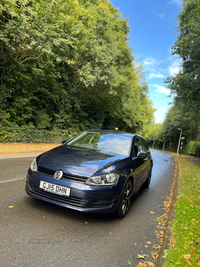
[(96, 171)]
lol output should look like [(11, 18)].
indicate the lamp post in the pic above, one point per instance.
[(163, 144), (153, 143), (179, 139)]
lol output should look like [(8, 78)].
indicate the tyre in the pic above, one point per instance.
[(147, 181), (125, 200)]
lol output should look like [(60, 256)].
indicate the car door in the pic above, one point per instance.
[(138, 164), (147, 160)]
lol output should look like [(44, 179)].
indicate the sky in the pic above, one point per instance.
[(152, 33)]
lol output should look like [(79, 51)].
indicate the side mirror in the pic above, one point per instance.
[(142, 155)]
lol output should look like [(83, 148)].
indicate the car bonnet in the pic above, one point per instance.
[(78, 161)]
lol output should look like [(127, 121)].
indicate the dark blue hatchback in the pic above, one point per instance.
[(96, 171)]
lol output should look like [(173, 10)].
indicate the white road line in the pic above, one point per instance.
[(8, 181)]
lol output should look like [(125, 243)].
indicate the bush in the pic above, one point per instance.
[(28, 134), (193, 148)]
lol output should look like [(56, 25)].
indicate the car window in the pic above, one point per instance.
[(103, 142), (144, 145), (137, 147)]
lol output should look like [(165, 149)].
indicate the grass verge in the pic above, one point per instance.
[(17, 148), (184, 247)]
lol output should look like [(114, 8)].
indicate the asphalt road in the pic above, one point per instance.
[(37, 233)]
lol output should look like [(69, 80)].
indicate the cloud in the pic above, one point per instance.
[(177, 2), (175, 68), (156, 75), (150, 61), (161, 16), (161, 90)]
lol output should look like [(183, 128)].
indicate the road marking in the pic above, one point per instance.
[(3, 182)]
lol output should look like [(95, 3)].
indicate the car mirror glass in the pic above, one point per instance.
[(141, 155)]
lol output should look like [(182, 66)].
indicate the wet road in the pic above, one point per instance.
[(36, 233)]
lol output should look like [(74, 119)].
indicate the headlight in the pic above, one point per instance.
[(34, 166), (106, 179)]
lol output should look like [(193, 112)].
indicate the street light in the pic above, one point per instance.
[(179, 139), (163, 144)]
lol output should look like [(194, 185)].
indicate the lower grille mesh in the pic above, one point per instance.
[(67, 200)]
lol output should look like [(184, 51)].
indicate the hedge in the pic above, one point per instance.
[(193, 148), (28, 134)]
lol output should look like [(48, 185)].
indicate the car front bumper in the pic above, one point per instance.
[(85, 198)]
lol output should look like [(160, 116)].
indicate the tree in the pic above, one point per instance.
[(68, 64), (186, 85)]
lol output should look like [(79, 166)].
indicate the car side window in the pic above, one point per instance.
[(147, 148), (144, 145), (136, 148)]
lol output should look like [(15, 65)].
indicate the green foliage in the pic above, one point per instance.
[(68, 65), (186, 84), (181, 116), (193, 148), (154, 132), (29, 134)]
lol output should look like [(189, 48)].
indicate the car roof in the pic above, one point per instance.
[(111, 132)]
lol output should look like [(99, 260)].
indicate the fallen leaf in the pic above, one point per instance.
[(43, 217), (152, 212), (140, 257), (141, 264), (129, 263), (188, 256), (189, 262), (10, 207), (86, 222)]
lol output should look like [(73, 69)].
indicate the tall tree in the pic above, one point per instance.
[(68, 64), (186, 85)]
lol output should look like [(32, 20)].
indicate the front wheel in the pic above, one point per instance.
[(125, 200)]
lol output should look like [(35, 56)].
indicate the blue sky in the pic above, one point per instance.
[(152, 33)]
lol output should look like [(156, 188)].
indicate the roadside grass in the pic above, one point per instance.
[(182, 155), (17, 148), (184, 247)]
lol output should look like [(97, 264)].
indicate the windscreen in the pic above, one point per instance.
[(118, 144)]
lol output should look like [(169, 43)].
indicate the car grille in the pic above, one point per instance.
[(67, 200), (65, 176)]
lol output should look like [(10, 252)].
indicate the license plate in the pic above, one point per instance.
[(54, 188)]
